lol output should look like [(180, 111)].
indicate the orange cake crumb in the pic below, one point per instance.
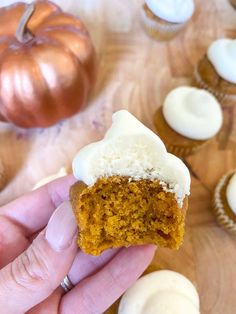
[(117, 211)]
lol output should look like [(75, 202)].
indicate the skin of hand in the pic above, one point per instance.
[(38, 249)]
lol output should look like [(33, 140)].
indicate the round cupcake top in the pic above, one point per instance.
[(131, 149), (222, 54), (163, 292), (193, 113), (231, 193), (174, 11)]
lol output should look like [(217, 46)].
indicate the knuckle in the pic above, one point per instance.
[(30, 269)]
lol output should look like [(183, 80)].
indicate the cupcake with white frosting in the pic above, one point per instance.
[(163, 19), (189, 118), (216, 71), (163, 291), (224, 201)]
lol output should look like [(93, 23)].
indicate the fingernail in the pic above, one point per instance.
[(61, 227)]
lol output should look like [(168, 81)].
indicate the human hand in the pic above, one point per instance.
[(37, 252)]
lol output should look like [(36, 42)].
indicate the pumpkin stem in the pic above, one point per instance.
[(23, 34)]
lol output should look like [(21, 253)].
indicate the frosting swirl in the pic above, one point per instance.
[(222, 54), (131, 149), (193, 113), (231, 193), (174, 11), (164, 292)]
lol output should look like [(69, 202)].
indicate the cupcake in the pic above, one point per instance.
[(163, 19), (224, 201), (130, 190), (216, 71), (188, 119), (233, 2), (162, 291)]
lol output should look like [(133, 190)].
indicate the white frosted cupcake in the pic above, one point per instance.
[(162, 291), (224, 201), (163, 19), (216, 71), (189, 118)]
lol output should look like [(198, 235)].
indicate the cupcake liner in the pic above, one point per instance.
[(225, 100), (181, 151), (158, 30), (218, 207)]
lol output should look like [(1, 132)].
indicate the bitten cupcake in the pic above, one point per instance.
[(224, 201), (188, 119), (216, 71), (163, 19)]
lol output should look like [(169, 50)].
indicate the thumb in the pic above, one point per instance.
[(37, 272)]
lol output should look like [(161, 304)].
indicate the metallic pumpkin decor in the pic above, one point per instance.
[(47, 64)]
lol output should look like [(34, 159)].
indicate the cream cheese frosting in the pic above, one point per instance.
[(231, 193), (192, 112), (61, 173), (222, 54), (164, 292), (174, 11), (131, 149)]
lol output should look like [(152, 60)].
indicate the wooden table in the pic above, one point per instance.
[(136, 73)]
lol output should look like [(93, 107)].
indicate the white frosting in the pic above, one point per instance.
[(131, 149), (231, 193), (164, 292), (61, 173), (193, 113), (174, 11), (222, 55)]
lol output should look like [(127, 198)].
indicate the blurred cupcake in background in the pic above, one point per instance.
[(188, 119), (224, 201), (163, 19), (233, 2), (216, 71)]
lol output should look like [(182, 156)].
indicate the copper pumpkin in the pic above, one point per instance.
[(47, 64)]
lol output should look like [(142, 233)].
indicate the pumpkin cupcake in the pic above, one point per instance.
[(224, 201), (188, 119), (163, 19), (233, 2), (162, 291), (130, 190), (216, 71)]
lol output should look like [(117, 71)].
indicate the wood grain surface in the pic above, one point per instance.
[(135, 72)]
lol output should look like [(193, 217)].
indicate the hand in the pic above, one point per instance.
[(37, 252)]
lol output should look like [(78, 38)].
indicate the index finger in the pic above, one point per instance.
[(33, 210)]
